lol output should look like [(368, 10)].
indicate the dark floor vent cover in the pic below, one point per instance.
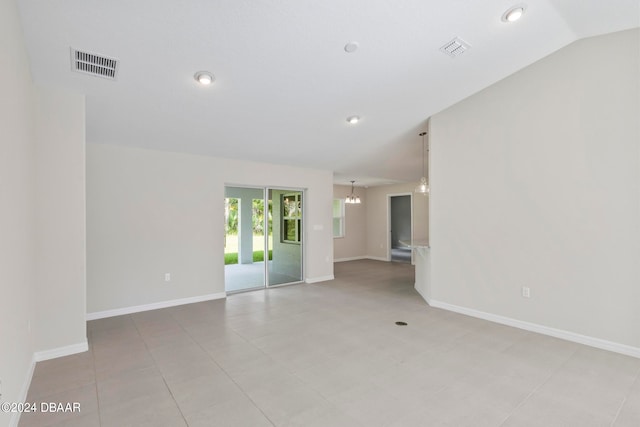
[(96, 65), (401, 323)]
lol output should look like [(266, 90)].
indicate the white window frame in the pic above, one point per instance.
[(295, 215)]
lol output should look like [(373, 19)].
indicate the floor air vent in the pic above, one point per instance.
[(455, 47), (96, 65)]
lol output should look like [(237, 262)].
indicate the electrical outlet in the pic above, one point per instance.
[(167, 277), (526, 292)]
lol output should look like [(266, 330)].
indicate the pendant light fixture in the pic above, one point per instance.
[(352, 198), (423, 187)]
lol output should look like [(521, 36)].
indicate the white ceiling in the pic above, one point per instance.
[(284, 85)]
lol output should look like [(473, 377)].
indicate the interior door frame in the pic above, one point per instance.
[(389, 196)]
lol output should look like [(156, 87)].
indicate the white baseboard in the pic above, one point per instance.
[(22, 397), (319, 279), (353, 258), (377, 258), (545, 330), (39, 356), (81, 347), (153, 306), (424, 297), (357, 258)]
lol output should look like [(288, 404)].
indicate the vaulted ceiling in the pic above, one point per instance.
[(284, 84)]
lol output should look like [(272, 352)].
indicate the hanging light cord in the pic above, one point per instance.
[(352, 198), (423, 158)]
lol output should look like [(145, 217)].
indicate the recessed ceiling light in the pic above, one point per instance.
[(513, 14), (204, 77), (351, 47), (353, 119)]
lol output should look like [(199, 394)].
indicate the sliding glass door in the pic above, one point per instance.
[(286, 237), (263, 237), (244, 239)]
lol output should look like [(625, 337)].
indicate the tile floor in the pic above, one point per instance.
[(330, 355), (243, 277)]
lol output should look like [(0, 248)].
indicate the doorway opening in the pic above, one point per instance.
[(400, 228), (263, 237)]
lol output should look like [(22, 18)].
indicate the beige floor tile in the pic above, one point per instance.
[(65, 373), (201, 392), (130, 386), (47, 415), (145, 411), (185, 352), (288, 403), (236, 413), (330, 354), (180, 371), (122, 364), (629, 415), (321, 417), (83, 419), (551, 411)]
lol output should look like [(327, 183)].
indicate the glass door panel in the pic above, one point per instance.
[(285, 236), (244, 239)]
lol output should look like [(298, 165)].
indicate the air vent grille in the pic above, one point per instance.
[(455, 47), (96, 65)]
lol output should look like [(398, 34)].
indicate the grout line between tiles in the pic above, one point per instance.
[(624, 401), (155, 362), (222, 369), (536, 388), (95, 377)]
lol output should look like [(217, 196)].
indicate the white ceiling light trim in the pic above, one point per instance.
[(514, 13), (204, 77), (353, 119)]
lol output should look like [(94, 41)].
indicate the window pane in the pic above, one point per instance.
[(291, 218), (289, 231), (337, 208), (338, 218), (337, 227)]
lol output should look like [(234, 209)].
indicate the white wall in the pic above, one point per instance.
[(41, 219), (354, 243), (151, 212), (60, 221), (17, 211), (535, 182)]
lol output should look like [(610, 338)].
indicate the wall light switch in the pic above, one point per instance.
[(167, 277), (526, 292)]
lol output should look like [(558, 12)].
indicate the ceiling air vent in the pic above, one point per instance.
[(96, 65), (455, 47)]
